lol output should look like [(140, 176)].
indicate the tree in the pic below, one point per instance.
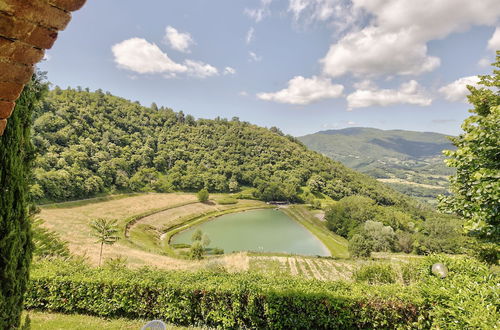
[(196, 251), (476, 185), (343, 217), (197, 235), (359, 246), (203, 195), (16, 159), (106, 233)]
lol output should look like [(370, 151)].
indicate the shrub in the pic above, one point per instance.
[(359, 246), (488, 253), (375, 274), (219, 299), (466, 299), (196, 251), (203, 195)]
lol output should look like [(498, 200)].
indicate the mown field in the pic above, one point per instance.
[(147, 221)]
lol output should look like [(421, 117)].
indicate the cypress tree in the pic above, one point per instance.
[(16, 157)]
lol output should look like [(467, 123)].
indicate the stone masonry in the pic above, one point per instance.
[(27, 29)]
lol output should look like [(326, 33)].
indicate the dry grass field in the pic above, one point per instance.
[(72, 223)]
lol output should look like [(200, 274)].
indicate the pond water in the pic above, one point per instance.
[(264, 230)]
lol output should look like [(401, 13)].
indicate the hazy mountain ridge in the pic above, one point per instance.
[(410, 161)]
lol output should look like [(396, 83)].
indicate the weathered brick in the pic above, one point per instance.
[(15, 73), (13, 28), (3, 124), (19, 52), (6, 109), (37, 11), (69, 5), (10, 91)]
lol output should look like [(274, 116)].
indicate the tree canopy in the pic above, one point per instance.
[(476, 185), (94, 142)]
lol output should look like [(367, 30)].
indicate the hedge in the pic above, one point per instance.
[(219, 299), (467, 298)]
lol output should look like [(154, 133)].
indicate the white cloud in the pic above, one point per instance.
[(243, 93), (250, 35), (484, 62), (395, 40), (254, 57), (494, 42), (229, 70), (407, 93), (200, 70), (177, 40), (140, 56), (339, 12), (258, 14), (303, 91), (457, 90), (46, 57)]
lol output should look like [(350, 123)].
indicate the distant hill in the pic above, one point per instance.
[(93, 142), (411, 162)]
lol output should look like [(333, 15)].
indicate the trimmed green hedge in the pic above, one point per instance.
[(219, 299), (467, 298)]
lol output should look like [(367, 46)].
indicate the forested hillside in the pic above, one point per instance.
[(94, 142), (411, 162)]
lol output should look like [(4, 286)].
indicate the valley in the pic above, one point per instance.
[(410, 162)]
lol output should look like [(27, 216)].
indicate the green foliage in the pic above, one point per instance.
[(227, 201), (404, 156), (466, 299), (487, 252), (379, 236), (85, 151), (219, 299), (343, 217), (197, 235), (359, 246), (47, 242), (196, 251), (441, 234), (316, 204), (116, 264), (476, 185), (203, 195), (375, 274), (16, 157), (106, 232)]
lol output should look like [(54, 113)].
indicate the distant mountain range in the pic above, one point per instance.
[(411, 162)]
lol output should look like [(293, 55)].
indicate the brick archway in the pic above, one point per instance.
[(27, 29)]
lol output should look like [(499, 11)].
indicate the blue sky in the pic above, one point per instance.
[(300, 65)]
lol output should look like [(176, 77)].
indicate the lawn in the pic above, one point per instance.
[(56, 321)]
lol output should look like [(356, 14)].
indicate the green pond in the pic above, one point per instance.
[(264, 230)]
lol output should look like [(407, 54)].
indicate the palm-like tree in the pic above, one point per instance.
[(106, 232)]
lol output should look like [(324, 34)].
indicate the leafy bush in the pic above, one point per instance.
[(203, 195), (359, 246), (375, 274), (219, 299), (466, 299), (196, 251)]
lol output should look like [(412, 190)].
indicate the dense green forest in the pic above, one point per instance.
[(410, 162), (94, 142)]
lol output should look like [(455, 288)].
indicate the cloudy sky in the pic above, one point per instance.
[(301, 65)]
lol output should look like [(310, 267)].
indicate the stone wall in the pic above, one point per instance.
[(27, 29)]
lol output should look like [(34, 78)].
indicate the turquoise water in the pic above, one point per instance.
[(258, 230)]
